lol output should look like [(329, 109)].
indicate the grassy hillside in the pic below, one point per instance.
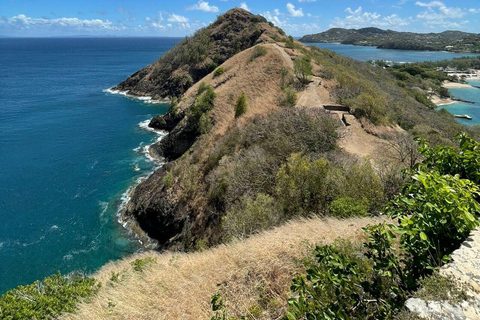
[(253, 276), (455, 41), (194, 57)]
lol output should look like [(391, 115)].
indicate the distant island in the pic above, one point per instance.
[(452, 41)]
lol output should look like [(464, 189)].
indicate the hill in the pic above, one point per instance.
[(276, 134), (194, 57), (455, 41), (221, 168)]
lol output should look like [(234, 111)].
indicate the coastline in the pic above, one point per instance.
[(438, 101), (129, 224), (146, 99)]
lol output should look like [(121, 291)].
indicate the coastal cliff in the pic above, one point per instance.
[(195, 57)]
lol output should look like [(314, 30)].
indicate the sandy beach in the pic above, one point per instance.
[(448, 85), (441, 101)]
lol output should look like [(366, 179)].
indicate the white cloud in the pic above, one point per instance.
[(474, 10), (429, 4), (244, 6), (438, 14), (203, 6), (273, 17), (294, 12), (23, 22), (360, 19), (177, 18)]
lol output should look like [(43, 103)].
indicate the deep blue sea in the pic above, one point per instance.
[(68, 152)]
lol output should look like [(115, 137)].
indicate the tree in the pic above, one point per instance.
[(241, 105), (302, 69)]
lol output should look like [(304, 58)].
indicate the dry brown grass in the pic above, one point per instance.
[(252, 275)]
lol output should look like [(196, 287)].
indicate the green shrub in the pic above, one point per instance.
[(218, 72), (241, 105), (204, 123), (48, 298), (302, 185), (258, 51), (289, 97), (436, 213), (348, 207), (302, 69), (202, 87), (250, 215), (203, 104), (140, 264)]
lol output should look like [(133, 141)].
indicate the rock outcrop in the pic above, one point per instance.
[(465, 269)]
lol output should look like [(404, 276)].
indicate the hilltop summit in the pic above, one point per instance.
[(196, 56)]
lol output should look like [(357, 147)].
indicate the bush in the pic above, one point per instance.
[(289, 97), (241, 105), (204, 123), (48, 298), (250, 215), (203, 104), (302, 69), (140, 264), (303, 186), (258, 51), (347, 207), (218, 72)]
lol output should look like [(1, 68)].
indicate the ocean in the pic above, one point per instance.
[(70, 152)]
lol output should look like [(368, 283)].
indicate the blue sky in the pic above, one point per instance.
[(182, 17)]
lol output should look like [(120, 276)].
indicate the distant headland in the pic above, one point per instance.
[(451, 41)]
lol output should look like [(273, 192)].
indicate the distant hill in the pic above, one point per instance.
[(454, 41)]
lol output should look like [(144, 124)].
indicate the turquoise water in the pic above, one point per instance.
[(68, 152), (470, 94), (371, 53)]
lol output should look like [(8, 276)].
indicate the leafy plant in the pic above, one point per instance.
[(302, 69), (289, 97), (436, 213), (48, 298), (140, 264), (218, 72), (241, 105)]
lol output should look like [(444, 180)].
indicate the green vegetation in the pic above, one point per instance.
[(241, 105), (302, 69), (380, 99), (258, 51), (47, 298), (436, 211), (199, 112), (455, 41), (218, 72), (288, 97), (140, 264)]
